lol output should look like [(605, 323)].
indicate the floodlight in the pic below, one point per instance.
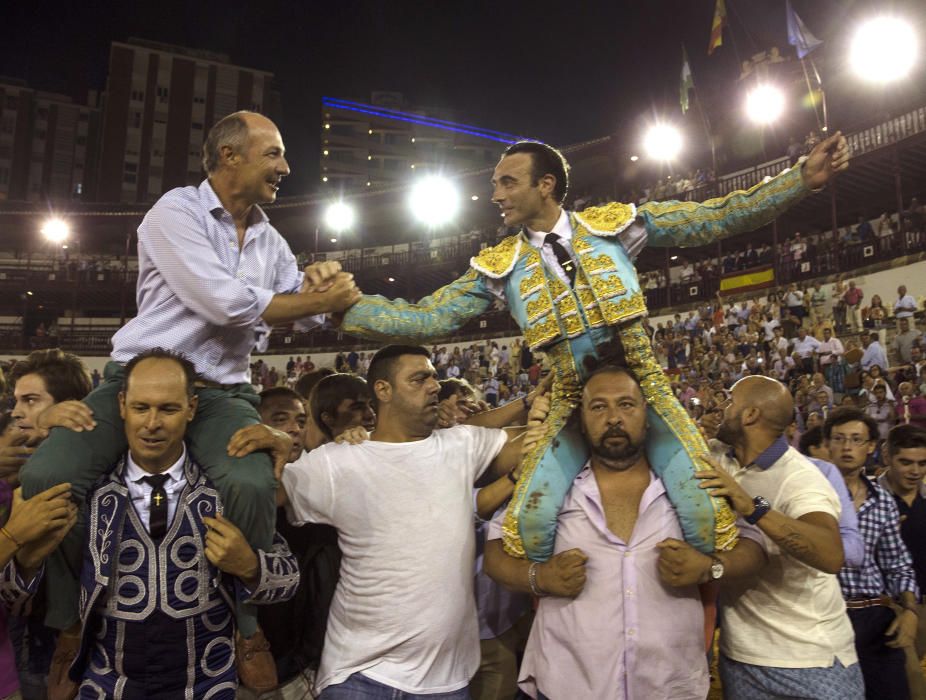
[(662, 142), (434, 200), (56, 230), (883, 49), (339, 216), (765, 104)]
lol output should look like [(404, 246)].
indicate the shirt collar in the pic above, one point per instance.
[(135, 473), (772, 453), (212, 203), (562, 228)]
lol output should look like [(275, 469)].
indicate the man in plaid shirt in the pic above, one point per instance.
[(886, 574)]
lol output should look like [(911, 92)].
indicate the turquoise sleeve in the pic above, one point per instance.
[(434, 316), (688, 224)]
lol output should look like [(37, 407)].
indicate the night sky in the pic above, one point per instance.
[(560, 71)]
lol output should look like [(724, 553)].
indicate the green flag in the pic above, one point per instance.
[(686, 82)]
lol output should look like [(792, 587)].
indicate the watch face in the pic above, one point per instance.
[(716, 570)]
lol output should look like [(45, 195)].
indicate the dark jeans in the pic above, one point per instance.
[(882, 667), (359, 687)]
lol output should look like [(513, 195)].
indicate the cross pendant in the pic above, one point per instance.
[(157, 499)]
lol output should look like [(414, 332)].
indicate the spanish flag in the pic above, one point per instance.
[(720, 18)]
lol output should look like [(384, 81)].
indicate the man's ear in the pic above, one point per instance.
[(194, 404), (122, 405), (382, 389), (548, 184)]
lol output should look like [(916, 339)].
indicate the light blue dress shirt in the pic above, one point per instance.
[(198, 293)]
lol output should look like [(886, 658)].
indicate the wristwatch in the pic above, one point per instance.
[(716, 570), (761, 506)]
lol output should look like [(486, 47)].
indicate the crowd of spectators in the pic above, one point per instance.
[(831, 347)]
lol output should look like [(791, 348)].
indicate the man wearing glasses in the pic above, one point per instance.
[(886, 575)]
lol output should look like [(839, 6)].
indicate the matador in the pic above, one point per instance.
[(569, 281)]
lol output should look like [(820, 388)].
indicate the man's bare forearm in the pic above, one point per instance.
[(745, 559), (813, 543), (512, 413), (506, 570), (285, 308)]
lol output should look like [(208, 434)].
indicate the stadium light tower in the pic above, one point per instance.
[(662, 142), (339, 216), (434, 201), (765, 104), (56, 230), (883, 49)]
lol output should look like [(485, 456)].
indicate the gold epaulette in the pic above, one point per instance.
[(499, 260), (607, 220)]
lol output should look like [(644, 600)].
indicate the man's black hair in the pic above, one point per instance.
[(189, 370), (810, 438), (278, 392), (64, 374), (382, 366), (905, 437), (307, 381), (545, 160), (328, 394), (847, 414), (453, 386)]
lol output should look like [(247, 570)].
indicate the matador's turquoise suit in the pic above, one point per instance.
[(571, 324)]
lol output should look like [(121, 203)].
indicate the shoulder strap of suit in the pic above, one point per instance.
[(607, 220)]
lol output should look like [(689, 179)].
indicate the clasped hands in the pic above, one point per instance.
[(329, 280)]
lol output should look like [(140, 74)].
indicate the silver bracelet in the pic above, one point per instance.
[(532, 580)]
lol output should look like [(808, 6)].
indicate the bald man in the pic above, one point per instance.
[(213, 277), (785, 631)]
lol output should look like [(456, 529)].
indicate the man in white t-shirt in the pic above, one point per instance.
[(403, 617), (785, 632)]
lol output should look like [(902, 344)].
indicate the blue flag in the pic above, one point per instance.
[(798, 35)]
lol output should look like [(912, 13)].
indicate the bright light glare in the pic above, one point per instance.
[(339, 216), (56, 230), (764, 104), (634, 159), (434, 200), (662, 142), (883, 49)]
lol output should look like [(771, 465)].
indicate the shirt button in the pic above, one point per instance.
[(630, 632), (629, 591)]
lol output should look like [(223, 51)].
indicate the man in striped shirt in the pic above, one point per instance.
[(886, 575), (213, 277)]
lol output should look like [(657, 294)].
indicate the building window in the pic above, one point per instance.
[(196, 126), (129, 178), (4, 176), (136, 120)]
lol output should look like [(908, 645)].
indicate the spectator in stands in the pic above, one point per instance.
[(881, 410), (905, 340), (887, 572), (819, 298), (910, 406), (794, 300), (874, 315), (864, 231), (874, 354), (785, 632), (806, 347), (905, 306), (905, 456), (830, 353), (215, 232), (618, 519), (852, 298)]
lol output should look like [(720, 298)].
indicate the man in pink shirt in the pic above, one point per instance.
[(619, 613)]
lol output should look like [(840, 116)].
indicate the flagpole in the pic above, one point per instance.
[(707, 128), (813, 101), (816, 73)]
